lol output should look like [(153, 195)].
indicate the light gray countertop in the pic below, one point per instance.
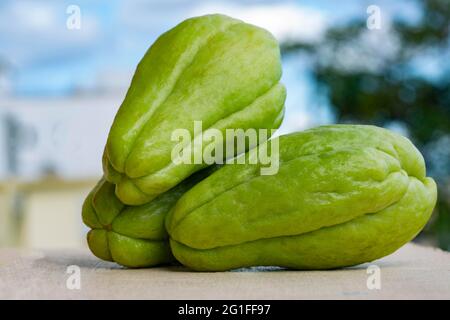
[(412, 272)]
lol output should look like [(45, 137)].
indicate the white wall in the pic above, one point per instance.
[(68, 133)]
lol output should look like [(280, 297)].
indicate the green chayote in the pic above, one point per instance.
[(343, 195), (213, 69), (133, 236)]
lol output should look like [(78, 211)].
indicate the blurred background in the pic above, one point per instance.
[(65, 67)]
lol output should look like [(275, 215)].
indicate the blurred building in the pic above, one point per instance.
[(50, 157)]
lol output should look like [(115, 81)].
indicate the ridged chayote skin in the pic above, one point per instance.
[(133, 236), (343, 195), (213, 69)]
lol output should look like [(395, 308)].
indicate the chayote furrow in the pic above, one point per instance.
[(133, 236), (343, 195), (214, 69)]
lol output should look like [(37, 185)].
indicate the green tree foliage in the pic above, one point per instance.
[(383, 77)]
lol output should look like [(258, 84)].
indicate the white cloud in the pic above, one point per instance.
[(286, 21), (369, 50), (33, 31)]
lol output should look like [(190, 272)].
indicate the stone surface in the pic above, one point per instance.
[(413, 272)]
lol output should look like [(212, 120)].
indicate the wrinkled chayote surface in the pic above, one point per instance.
[(343, 195), (133, 236), (213, 69)]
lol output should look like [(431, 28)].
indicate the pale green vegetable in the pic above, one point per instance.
[(343, 195), (133, 236)]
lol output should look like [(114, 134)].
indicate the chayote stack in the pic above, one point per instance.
[(133, 236), (343, 195), (213, 69)]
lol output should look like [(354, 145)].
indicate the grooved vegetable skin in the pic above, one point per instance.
[(133, 236), (343, 195), (213, 69)]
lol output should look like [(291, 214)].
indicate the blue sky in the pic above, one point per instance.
[(44, 58), (41, 61)]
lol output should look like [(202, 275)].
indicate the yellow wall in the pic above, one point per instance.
[(43, 214)]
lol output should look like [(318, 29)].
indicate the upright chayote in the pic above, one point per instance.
[(214, 69), (343, 195)]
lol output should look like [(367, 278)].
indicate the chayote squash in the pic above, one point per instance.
[(133, 236), (213, 69), (343, 195)]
